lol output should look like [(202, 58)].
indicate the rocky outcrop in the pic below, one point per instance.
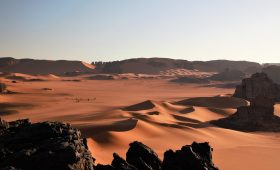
[(142, 157), (258, 84), (44, 146), (259, 116), (197, 156), (54, 145)]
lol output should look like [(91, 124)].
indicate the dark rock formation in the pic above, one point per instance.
[(44, 146), (197, 156), (256, 117), (120, 163), (258, 84), (142, 157), (54, 145)]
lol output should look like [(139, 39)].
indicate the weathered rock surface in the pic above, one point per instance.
[(54, 145), (142, 157), (258, 84), (44, 146), (197, 156), (259, 116)]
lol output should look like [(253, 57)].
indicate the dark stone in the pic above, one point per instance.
[(197, 156), (120, 164), (142, 157), (44, 146), (258, 84), (259, 116)]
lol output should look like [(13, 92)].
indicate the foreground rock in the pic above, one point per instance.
[(197, 156), (54, 145), (258, 84), (44, 146), (259, 116)]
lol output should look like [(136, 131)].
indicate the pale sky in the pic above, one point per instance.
[(92, 30)]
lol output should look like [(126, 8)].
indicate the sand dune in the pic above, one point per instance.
[(163, 115)]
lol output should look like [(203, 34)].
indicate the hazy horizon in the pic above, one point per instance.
[(116, 30)]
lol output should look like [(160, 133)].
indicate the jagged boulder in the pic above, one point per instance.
[(44, 146), (118, 163), (258, 84), (197, 156), (54, 145), (259, 116), (142, 157)]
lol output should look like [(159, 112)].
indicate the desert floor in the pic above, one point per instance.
[(99, 109)]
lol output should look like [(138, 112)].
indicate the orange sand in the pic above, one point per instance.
[(95, 107)]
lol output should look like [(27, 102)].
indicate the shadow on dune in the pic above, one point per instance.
[(214, 102), (186, 119), (187, 110), (11, 108), (219, 111), (101, 133)]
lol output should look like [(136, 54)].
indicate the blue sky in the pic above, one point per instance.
[(93, 30)]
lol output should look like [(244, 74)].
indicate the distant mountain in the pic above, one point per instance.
[(221, 65), (32, 66), (137, 66), (142, 65), (155, 65)]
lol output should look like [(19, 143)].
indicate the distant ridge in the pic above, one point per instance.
[(32, 66), (135, 65), (155, 65)]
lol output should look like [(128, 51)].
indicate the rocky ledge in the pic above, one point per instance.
[(44, 146), (55, 145), (197, 156), (259, 116), (258, 84)]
